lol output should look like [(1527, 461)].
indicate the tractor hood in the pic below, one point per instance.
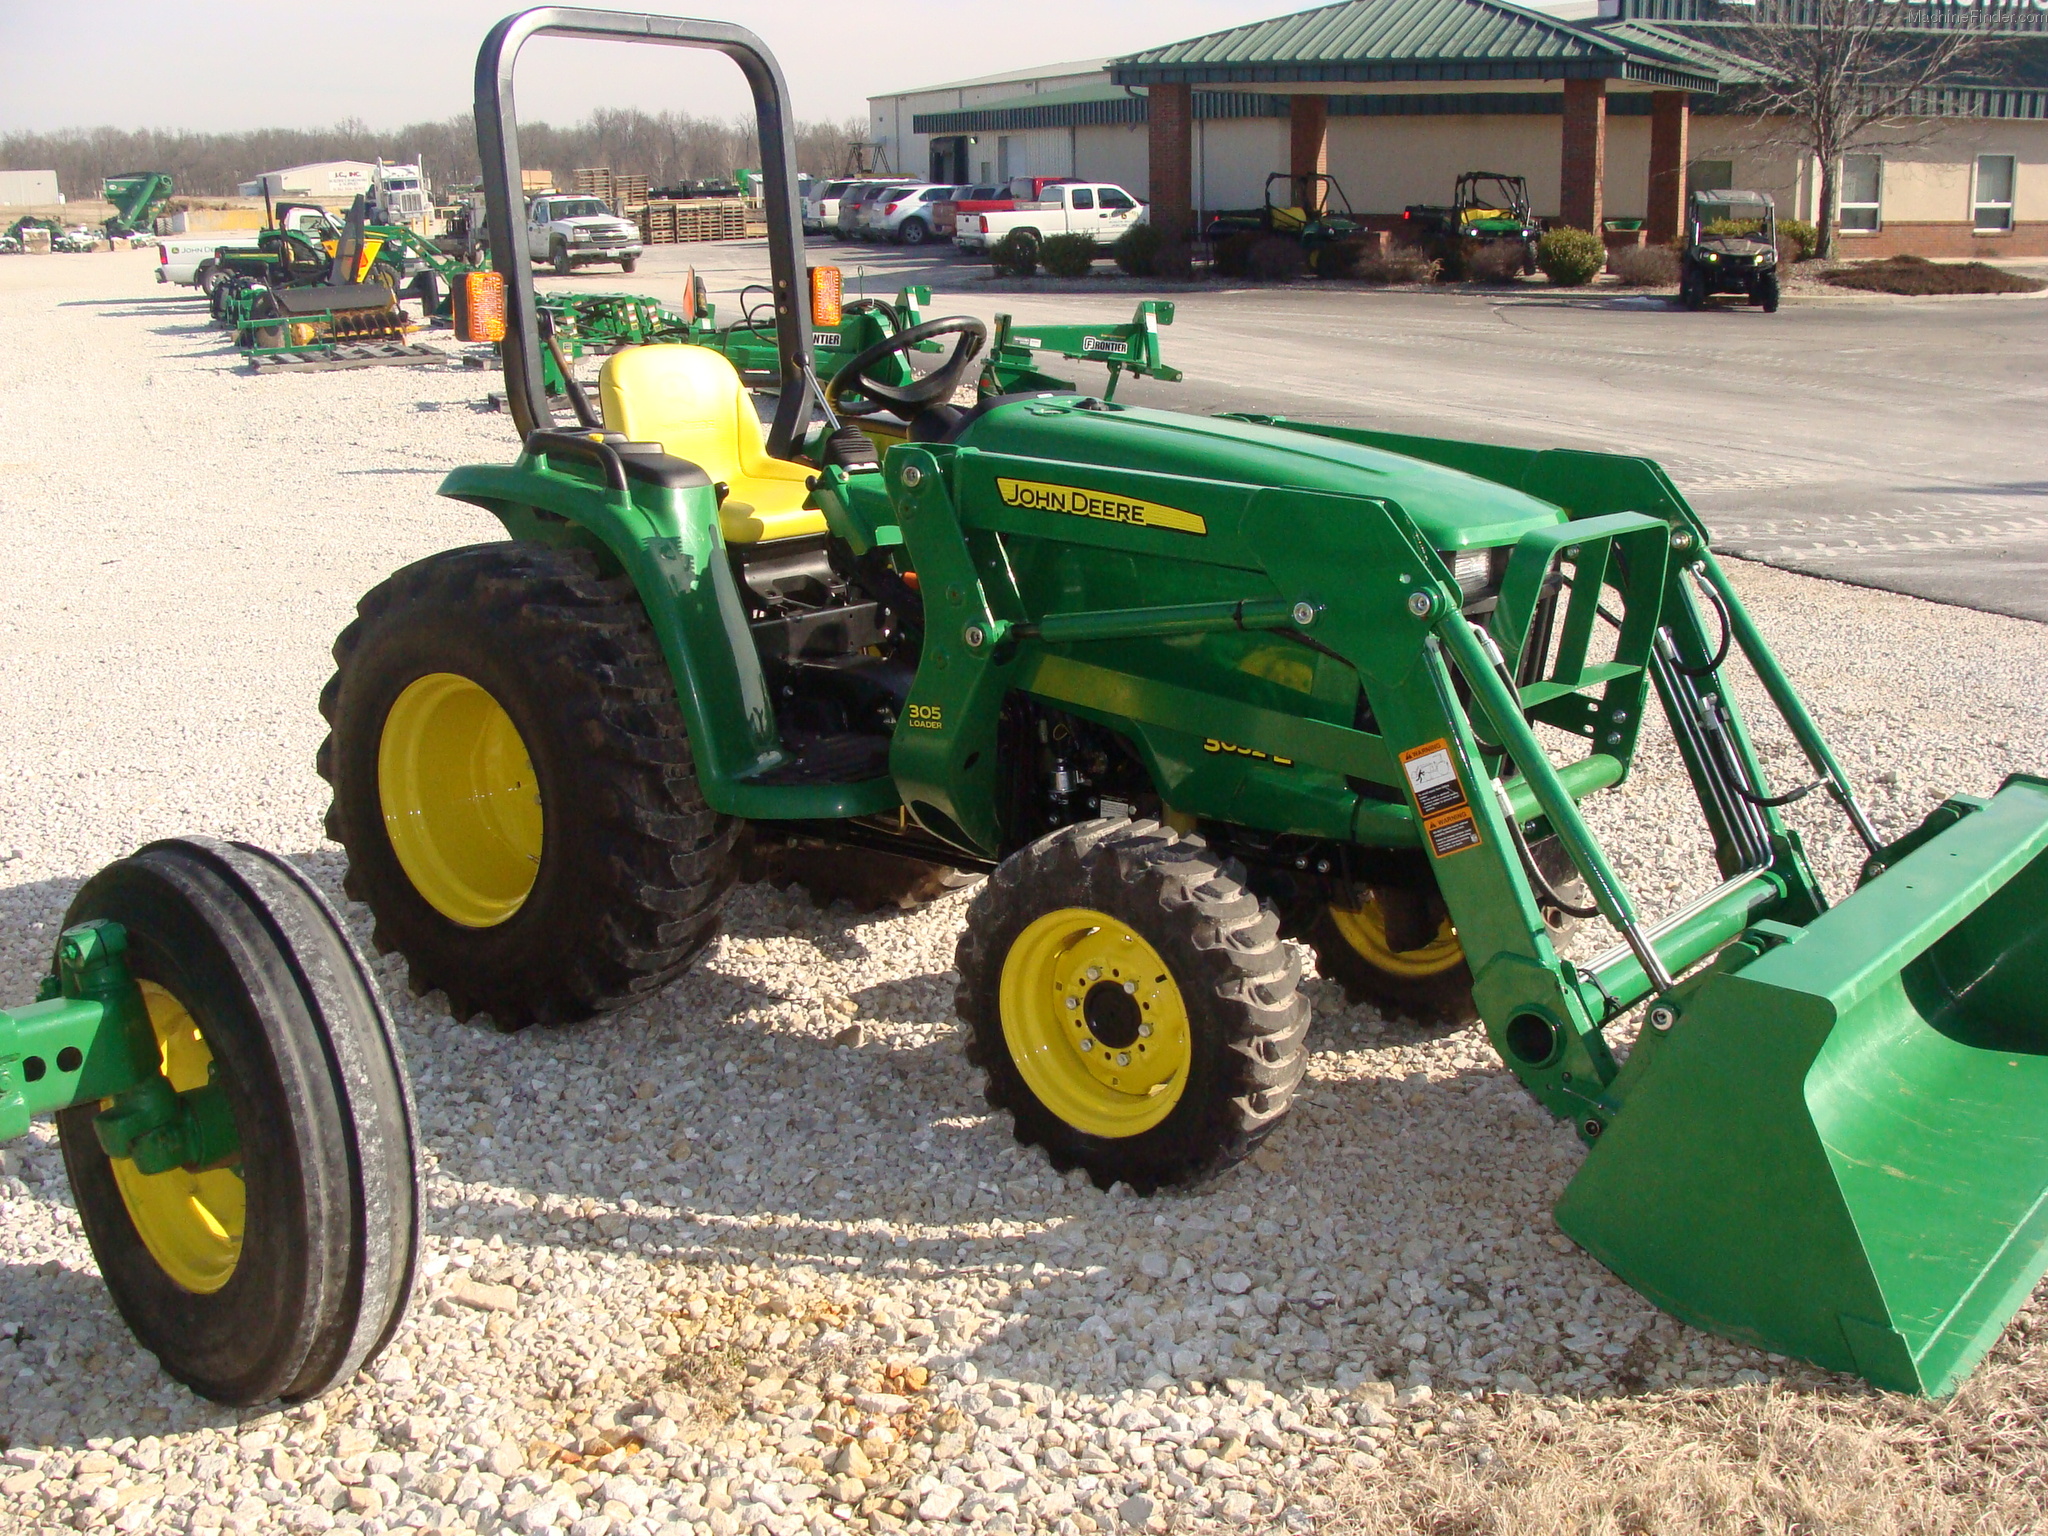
[(1452, 509)]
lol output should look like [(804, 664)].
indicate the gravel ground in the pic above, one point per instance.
[(752, 1256)]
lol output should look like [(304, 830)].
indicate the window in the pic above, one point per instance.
[(1083, 197), (1861, 192), (1710, 176), (1113, 198), (1994, 194)]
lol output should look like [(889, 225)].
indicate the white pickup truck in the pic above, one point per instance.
[(188, 259), (568, 231), (1069, 208)]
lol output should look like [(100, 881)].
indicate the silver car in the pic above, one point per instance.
[(908, 215), (846, 224)]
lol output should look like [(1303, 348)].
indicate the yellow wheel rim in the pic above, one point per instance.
[(191, 1223), (1095, 1022), (1366, 931), (461, 800)]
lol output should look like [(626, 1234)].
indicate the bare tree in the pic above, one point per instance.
[(1834, 77), (664, 146)]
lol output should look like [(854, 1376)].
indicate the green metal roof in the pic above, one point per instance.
[(1382, 40)]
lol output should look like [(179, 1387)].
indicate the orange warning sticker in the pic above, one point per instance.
[(1452, 832), (1432, 777)]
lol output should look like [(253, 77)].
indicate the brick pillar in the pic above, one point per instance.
[(1170, 132), (1308, 144), (1669, 114), (1585, 152)]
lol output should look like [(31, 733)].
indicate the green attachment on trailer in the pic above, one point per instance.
[(1829, 1143), (1015, 351), (88, 1037)]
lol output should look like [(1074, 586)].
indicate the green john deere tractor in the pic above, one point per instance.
[(1182, 686)]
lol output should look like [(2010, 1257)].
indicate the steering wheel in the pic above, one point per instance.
[(921, 394)]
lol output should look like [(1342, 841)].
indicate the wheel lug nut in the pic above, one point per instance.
[(1073, 1002), (1123, 1058), (1087, 1044), (1145, 1030), (1130, 986), (1093, 973)]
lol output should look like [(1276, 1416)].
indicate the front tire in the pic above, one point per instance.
[(560, 257), (628, 263), (1692, 290), (288, 1269), (914, 232), (1767, 294), (515, 789), (1134, 1007)]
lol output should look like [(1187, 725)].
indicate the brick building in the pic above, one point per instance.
[(1607, 115)]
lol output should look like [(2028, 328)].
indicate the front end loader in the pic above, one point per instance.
[(1183, 687)]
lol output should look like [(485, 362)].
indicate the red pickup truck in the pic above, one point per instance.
[(946, 216)]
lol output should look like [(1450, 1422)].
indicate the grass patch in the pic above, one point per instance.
[(1916, 277), (1757, 1461)]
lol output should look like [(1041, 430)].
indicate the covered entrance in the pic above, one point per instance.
[(1423, 58)]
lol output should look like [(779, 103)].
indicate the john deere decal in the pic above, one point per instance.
[(1039, 497)]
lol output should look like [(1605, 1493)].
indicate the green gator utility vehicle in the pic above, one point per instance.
[(1183, 685), (1731, 246), (1487, 209)]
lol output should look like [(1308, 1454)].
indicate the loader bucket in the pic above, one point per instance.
[(1839, 1149)]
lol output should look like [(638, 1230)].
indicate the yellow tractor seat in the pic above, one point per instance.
[(1289, 218), (692, 402)]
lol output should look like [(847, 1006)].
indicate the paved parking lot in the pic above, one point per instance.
[(1890, 443)]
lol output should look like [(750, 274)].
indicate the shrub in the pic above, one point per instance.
[(1797, 240), (1397, 264), (1262, 258), (1917, 276), (1015, 255), (1571, 258), (1645, 266), (1493, 261), (1172, 262), (1136, 251), (1068, 255)]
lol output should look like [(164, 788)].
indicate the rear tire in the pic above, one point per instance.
[(289, 1270), (515, 788), (1431, 985), (1692, 290), (1212, 1043)]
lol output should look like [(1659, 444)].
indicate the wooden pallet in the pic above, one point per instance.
[(674, 223)]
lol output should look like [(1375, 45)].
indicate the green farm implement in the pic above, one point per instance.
[(576, 325), (137, 196), (1184, 686), (234, 1116), (300, 306)]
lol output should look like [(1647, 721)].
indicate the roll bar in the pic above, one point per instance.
[(497, 138)]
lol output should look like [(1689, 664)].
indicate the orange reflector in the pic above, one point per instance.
[(480, 306), (825, 295)]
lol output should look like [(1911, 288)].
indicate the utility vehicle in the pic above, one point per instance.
[(1731, 246)]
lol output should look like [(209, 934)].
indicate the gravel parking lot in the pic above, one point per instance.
[(752, 1256)]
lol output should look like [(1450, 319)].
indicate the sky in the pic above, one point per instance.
[(238, 64)]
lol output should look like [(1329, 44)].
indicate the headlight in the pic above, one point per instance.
[(1478, 573), (1709, 256)]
